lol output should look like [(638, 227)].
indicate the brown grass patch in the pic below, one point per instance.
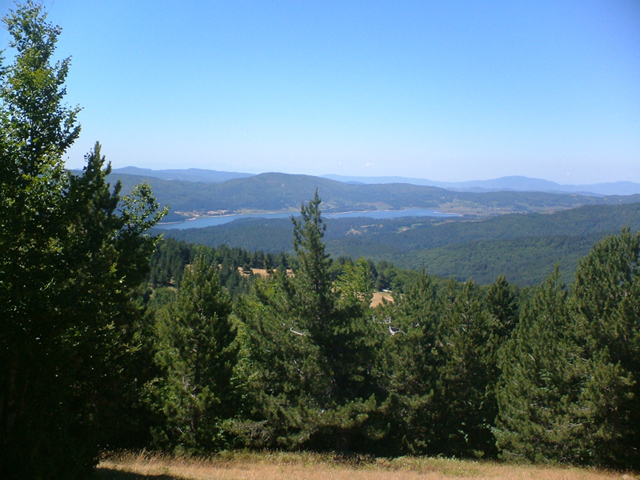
[(261, 272), (378, 297), (307, 466)]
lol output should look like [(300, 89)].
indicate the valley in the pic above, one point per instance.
[(459, 234)]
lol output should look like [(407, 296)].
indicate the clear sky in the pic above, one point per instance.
[(444, 90)]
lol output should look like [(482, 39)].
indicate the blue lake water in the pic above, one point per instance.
[(377, 214)]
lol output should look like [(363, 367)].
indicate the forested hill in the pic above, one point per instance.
[(277, 192), (96, 357), (523, 247), (509, 183), (188, 174)]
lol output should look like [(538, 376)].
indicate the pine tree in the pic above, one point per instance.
[(198, 353), (309, 351), (407, 371), (314, 299), (72, 255), (539, 389), (280, 369), (464, 395), (569, 388), (502, 303), (607, 311)]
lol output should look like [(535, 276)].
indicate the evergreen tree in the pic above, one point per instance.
[(407, 370), (464, 394), (168, 262), (314, 298), (569, 387), (280, 369), (198, 353), (539, 389), (309, 351), (72, 255), (607, 311), (502, 304)]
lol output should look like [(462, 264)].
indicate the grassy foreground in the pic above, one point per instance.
[(307, 466)]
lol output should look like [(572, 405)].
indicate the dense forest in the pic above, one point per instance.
[(447, 368), (523, 247), (113, 338)]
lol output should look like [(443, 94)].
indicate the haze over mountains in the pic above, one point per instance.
[(187, 175), (280, 193), (517, 226), (510, 183)]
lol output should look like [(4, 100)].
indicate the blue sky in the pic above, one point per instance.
[(446, 90)]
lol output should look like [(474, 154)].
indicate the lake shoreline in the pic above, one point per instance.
[(216, 220)]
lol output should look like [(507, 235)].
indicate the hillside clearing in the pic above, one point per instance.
[(271, 466), (379, 297)]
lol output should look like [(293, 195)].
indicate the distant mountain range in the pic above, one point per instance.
[(491, 235), (279, 192), (187, 175), (511, 183)]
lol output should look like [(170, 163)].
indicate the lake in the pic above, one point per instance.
[(376, 214)]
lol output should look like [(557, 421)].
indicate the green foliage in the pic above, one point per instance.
[(523, 248), (171, 257), (314, 298), (37, 126), (502, 304), (355, 286), (408, 366), (569, 388), (197, 352), (465, 403), (72, 255), (308, 351), (607, 311), (537, 395), (168, 262), (440, 365), (449, 368), (607, 297), (311, 365)]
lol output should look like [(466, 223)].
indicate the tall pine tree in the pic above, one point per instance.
[(540, 382), (569, 387), (72, 255), (197, 351), (607, 312), (309, 367), (464, 392), (408, 366)]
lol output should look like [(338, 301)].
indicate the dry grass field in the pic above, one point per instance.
[(378, 297), (286, 466)]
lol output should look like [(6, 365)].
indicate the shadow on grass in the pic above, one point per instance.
[(112, 474)]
